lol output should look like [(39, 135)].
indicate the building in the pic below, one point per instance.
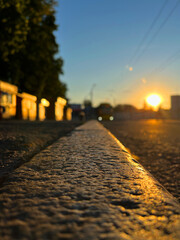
[(59, 108), (67, 113), (175, 106), (8, 94), (23, 106), (28, 106), (76, 110)]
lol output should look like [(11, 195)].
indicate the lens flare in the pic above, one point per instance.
[(153, 100)]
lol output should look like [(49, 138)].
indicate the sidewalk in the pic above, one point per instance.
[(86, 186), (21, 140)]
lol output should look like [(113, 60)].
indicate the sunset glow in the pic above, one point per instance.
[(154, 100)]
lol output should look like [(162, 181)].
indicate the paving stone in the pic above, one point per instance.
[(86, 186)]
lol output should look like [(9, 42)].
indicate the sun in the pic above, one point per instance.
[(154, 100)]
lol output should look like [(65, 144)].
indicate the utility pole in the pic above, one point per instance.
[(91, 93), (112, 98)]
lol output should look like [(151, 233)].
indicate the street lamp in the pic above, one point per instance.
[(91, 93)]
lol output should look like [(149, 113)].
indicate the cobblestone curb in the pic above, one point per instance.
[(86, 186)]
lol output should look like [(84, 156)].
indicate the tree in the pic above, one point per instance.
[(125, 108), (87, 103), (54, 88), (32, 65), (14, 27)]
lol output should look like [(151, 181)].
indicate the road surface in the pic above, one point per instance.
[(156, 143), (86, 186)]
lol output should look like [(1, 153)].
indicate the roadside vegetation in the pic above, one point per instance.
[(28, 48)]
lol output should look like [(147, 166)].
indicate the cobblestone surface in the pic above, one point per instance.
[(86, 186)]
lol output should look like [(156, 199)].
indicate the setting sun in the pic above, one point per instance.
[(153, 100)]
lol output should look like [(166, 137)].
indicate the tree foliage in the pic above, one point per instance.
[(125, 108), (28, 47), (14, 26)]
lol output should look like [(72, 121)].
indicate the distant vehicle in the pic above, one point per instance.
[(105, 112)]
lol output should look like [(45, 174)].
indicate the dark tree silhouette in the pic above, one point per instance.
[(28, 48)]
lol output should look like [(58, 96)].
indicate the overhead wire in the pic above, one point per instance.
[(172, 58), (167, 62), (158, 30), (148, 32)]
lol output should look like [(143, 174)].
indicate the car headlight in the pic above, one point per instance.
[(100, 118)]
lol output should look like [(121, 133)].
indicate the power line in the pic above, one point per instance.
[(149, 30), (167, 63), (159, 29)]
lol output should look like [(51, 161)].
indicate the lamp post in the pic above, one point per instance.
[(91, 93)]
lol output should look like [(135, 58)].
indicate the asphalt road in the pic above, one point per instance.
[(85, 187), (156, 144)]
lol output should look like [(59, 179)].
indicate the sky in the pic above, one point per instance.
[(119, 51)]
